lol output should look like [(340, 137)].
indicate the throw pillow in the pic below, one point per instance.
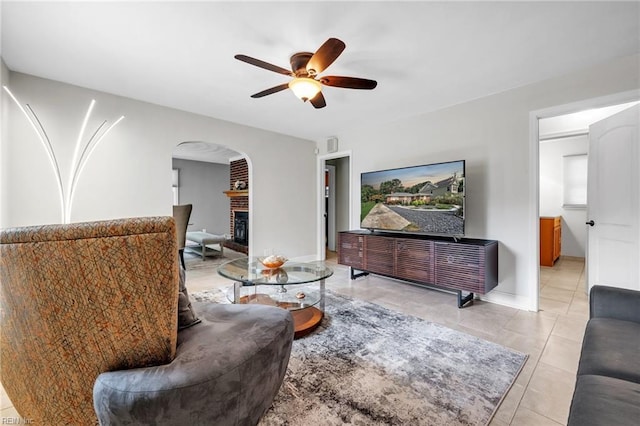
[(186, 315)]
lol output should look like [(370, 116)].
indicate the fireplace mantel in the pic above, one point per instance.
[(237, 193)]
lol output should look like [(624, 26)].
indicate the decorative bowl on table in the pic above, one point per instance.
[(273, 261)]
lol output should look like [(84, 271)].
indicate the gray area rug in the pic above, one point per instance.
[(367, 365)]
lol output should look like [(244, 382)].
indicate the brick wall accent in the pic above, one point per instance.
[(239, 170)]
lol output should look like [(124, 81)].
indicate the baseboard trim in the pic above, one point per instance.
[(577, 258), (507, 299), (305, 258)]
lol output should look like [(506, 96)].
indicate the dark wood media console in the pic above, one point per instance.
[(469, 265)]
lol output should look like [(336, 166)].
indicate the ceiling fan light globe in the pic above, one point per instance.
[(305, 88)]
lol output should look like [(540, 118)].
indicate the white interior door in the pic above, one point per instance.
[(613, 209)]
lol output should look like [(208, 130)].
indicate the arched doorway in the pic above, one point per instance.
[(204, 175)]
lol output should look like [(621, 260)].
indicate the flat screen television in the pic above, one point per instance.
[(425, 199)]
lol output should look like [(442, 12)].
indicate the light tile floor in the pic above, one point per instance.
[(552, 337)]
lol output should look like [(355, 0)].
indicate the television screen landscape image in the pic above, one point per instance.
[(426, 199)]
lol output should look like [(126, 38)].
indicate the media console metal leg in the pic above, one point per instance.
[(464, 300), (356, 275)]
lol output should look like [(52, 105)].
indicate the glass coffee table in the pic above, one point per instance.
[(296, 286)]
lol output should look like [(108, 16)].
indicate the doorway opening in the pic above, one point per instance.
[(560, 157), (334, 214), (203, 176)]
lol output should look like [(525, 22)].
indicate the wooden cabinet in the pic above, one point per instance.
[(466, 265), (550, 240)]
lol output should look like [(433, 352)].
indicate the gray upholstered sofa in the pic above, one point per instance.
[(607, 389)]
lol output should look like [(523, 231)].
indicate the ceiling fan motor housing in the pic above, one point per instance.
[(299, 64)]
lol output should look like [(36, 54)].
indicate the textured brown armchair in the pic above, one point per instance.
[(81, 299), (89, 332)]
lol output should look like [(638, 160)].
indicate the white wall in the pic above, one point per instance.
[(493, 135), (574, 232), (129, 174), (4, 134), (202, 184)]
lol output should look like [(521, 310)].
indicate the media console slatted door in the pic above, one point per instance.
[(460, 267), (469, 265), (379, 255), (414, 260), (351, 250)]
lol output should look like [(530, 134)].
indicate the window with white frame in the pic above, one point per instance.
[(574, 181), (175, 186)]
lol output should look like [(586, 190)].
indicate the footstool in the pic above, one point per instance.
[(203, 239)]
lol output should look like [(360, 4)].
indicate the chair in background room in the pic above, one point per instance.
[(181, 215), (92, 332)]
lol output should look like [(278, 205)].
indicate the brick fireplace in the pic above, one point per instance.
[(241, 227), (239, 207)]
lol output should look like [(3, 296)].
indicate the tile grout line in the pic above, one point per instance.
[(532, 373)]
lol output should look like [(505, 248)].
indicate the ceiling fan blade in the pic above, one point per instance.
[(325, 55), (348, 82), (318, 101), (263, 64), (271, 91)]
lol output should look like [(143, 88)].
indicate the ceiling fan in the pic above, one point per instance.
[(305, 67)]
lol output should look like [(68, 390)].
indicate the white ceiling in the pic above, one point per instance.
[(204, 151), (424, 55)]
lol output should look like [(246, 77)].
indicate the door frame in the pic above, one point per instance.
[(330, 209), (320, 222), (534, 176)]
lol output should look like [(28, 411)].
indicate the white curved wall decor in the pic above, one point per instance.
[(80, 156)]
